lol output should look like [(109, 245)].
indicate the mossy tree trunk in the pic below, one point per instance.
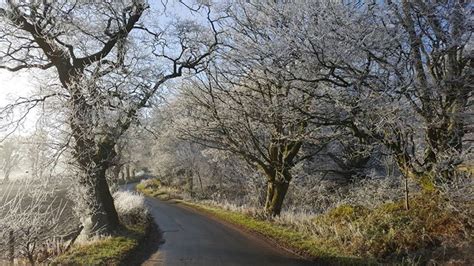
[(276, 192), (282, 154)]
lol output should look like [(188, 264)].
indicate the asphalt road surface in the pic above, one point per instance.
[(191, 238)]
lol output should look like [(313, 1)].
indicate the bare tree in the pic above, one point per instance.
[(39, 154), (247, 103), (395, 74), (399, 74), (105, 77), (10, 157)]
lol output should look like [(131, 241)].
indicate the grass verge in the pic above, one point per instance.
[(285, 237), (112, 250)]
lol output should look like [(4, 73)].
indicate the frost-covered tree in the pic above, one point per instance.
[(202, 172), (249, 104), (11, 155), (108, 61), (401, 75), (395, 75), (41, 154)]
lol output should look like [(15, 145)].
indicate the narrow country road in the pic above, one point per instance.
[(192, 238)]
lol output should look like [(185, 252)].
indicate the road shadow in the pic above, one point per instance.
[(149, 246)]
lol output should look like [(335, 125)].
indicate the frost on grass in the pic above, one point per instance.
[(130, 207)]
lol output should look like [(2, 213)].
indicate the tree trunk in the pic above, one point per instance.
[(127, 172), (407, 197), (116, 172), (191, 185), (444, 147), (107, 200), (11, 247), (101, 217), (200, 182), (269, 197), (276, 192)]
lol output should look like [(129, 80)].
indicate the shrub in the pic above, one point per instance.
[(130, 207), (155, 188), (150, 183), (391, 232)]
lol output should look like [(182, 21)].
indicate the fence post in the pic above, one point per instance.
[(11, 247)]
